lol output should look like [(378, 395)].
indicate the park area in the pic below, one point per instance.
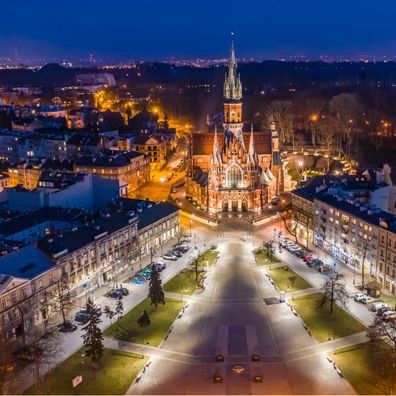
[(287, 280), (184, 283), (113, 376), (317, 318), (369, 367), (128, 329), (265, 257)]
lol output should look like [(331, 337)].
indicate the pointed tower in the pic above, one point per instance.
[(252, 155), (233, 98), (216, 156)]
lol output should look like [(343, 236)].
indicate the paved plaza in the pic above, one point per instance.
[(231, 318)]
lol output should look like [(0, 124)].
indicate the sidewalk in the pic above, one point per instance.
[(72, 342)]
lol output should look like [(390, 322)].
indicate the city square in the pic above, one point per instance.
[(195, 209)]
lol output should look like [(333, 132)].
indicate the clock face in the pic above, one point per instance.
[(233, 113)]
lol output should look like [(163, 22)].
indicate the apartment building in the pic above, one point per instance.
[(130, 167), (27, 285)]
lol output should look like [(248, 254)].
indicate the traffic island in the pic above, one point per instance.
[(369, 367), (128, 329), (112, 376), (321, 325), (265, 257), (287, 280), (185, 282)]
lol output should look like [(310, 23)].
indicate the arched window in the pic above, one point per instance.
[(234, 176)]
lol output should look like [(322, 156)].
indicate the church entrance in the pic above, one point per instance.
[(234, 206), (244, 206)]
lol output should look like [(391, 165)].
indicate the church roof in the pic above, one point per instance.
[(202, 143)]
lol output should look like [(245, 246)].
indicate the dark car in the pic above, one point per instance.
[(124, 291), (81, 317), (176, 253), (381, 311), (118, 294), (301, 253), (68, 327)]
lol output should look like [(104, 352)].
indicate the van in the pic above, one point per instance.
[(377, 305)]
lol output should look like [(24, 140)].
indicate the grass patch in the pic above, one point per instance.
[(263, 258), (369, 367), (127, 329), (114, 376), (288, 280), (183, 283), (321, 325), (209, 256)]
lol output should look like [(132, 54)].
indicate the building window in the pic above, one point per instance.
[(234, 176)]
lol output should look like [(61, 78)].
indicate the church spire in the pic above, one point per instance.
[(232, 83), (216, 157), (252, 155)]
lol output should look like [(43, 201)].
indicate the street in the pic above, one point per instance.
[(237, 315)]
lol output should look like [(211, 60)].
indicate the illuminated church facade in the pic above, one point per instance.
[(233, 170)]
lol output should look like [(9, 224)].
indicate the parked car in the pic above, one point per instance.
[(367, 300), (381, 311), (159, 266), (301, 253), (137, 280), (389, 315), (325, 269), (359, 297), (116, 294), (377, 305), (176, 253), (81, 317), (308, 257), (294, 249), (124, 291), (68, 327), (168, 256)]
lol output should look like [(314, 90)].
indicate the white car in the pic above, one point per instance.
[(359, 297), (169, 257), (389, 315), (293, 248), (377, 305), (367, 300)]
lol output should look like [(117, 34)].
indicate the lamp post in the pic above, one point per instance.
[(190, 227)]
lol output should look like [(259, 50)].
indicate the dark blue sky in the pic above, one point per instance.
[(154, 29)]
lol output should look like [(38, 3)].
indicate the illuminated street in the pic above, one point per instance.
[(231, 318)]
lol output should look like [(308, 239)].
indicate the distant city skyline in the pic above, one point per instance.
[(159, 30)]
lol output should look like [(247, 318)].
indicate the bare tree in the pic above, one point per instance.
[(382, 329), (42, 352), (345, 109), (333, 292), (62, 297), (7, 364), (196, 265), (281, 112)]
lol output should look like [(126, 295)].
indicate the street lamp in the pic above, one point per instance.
[(190, 227)]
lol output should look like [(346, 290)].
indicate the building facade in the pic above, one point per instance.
[(130, 167), (234, 171)]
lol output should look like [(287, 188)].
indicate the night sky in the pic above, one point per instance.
[(156, 29)]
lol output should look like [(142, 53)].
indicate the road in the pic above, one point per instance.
[(69, 343), (231, 318)]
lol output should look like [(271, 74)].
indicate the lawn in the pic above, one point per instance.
[(369, 367), (114, 376), (127, 329), (183, 283), (321, 325), (282, 278), (263, 259), (208, 256)]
